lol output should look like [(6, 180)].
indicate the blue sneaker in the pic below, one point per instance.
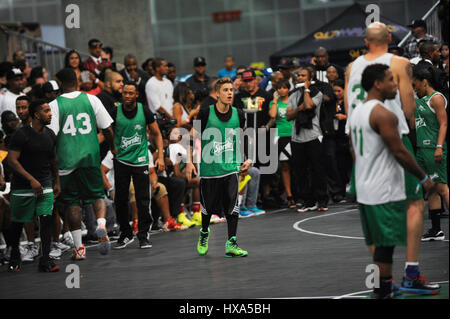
[(420, 286), (244, 212), (257, 211)]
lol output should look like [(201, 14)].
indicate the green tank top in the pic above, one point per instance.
[(284, 126), (427, 125), (130, 137), (220, 157), (77, 142)]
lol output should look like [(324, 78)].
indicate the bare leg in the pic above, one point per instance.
[(415, 228), (163, 204), (29, 230), (286, 175), (56, 224)]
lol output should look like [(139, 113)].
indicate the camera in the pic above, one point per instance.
[(165, 125)]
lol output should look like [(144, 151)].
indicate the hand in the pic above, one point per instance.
[(111, 194), (159, 163), (307, 84), (101, 65), (313, 61), (246, 165), (56, 190), (155, 189), (36, 187), (438, 157), (275, 96), (429, 187), (190, 171), (114, 152), (340, 116)]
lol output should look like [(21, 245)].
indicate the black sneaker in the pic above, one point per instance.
[(123, 242), (432, 235), (306, 208), (375, 295), (48, 266), (14, 266), (144, 243), (420, 286)]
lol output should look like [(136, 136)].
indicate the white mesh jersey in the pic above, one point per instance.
[(379, 178), (356, 94)]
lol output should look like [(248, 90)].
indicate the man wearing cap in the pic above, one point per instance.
[(51, 90), (95, 63), (418, 30), (286, 67), (15, 85), (199, 80)]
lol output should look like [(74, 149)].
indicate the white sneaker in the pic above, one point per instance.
[(55, 253), (216, 219), (68, 240), (61, 246), (31, 253)]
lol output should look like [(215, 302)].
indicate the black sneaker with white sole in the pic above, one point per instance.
[(144, 243), (307, 208), (432, 235), (123, 242)]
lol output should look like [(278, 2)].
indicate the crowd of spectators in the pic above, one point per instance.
[(313, 149)]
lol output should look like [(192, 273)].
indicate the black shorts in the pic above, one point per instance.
[(220, 195)]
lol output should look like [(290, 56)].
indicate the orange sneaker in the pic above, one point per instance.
[(172, 225)]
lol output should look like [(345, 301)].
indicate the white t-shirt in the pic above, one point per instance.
[(108, 162), (8, 101), (159, 93), (177, 153), (102, 116)]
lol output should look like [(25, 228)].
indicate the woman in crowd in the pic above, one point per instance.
[(183, 108)]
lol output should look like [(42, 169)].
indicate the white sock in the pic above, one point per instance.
[(76, 234), (101, 222), (240, 197)]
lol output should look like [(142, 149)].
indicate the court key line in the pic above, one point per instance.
[(297, 227)]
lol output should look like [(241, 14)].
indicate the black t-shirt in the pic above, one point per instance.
[(203, 116), (262, 117), (208, 101), (109, 101), (36, 152), (149, 116)]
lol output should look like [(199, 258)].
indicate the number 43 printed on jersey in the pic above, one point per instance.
[(83, 125)]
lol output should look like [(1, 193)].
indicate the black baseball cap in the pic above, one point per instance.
[(13, 73), (417, 23), (248, 75), (286, 63), (199, 61), (50, 86)]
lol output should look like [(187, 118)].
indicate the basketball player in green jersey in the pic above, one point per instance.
[(76, 117), (431, 128), (220, 166)]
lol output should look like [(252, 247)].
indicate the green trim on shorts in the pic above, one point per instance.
[(436, 171), (410, 180), (25, 205), (83, 184), (385, 224)]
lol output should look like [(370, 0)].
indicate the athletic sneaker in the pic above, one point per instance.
[(123, 242), (420, 286), (202, 245), (375, 295), (233, 250), (104, 245), (55, 253), (215, 219), (14, 266), (171, 225), (183, 220), (323, 208), (432, 235), (60, 246), (244, 212), (144, 243), (32, 252), (307, 208), (48, 266), (67, 239), (256, 211), (79, 253), (197, 218)]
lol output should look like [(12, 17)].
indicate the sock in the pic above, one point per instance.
[(182, 208), (101, 222), (76, 234), (385, 286), (196, 207), (412, 270), (240, 198), (435, 219), (232, 221)]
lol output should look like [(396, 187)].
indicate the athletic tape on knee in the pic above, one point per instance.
[(384, 254)]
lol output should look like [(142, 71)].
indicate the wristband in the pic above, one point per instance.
[(438, 146), (421, 183), (307, 91)]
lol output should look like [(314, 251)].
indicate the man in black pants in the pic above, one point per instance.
[(130, 122), (307, 150), (220, 165), (32, 157)]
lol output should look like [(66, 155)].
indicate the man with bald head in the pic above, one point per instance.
[(403, 106), (322, 63)]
